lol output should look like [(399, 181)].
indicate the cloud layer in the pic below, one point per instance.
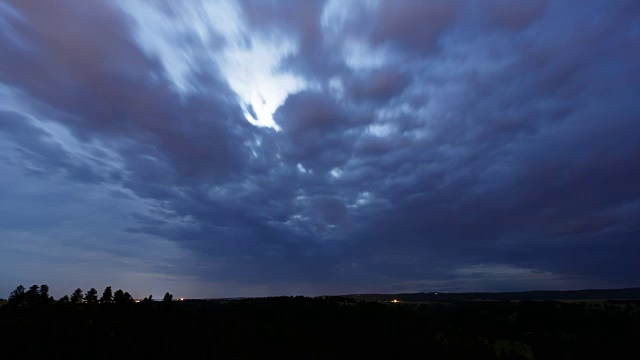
[(245, 148)]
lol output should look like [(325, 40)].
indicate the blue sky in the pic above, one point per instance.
[(253, 148)]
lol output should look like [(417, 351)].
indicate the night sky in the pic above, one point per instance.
[(255, 148)]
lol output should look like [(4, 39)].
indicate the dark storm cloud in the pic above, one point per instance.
[(379, 85), (465, 146), (316, 130), (303, 21), (515, 15), (103, 85), (46, 156), (417, 26)]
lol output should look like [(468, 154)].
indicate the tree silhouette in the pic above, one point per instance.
[(43, 295), (63, 300), (76, 297), (107, 295), (17, 296), (167, 297), (33, 294), (128, 298), (118, 297), (91, 297)]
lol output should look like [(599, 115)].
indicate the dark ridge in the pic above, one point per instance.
[(591, 294)]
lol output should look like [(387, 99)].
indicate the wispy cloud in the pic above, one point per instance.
[(315, 147)]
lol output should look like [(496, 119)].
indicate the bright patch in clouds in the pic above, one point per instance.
[(251, 71), (359, 55), (381, 130), (199, 36), (336, 172), (302, 169)]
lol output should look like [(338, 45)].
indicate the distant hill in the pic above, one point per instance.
[(623, 294)]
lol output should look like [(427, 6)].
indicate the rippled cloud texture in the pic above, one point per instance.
[(220, 148)]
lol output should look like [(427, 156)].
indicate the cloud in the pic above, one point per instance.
[(378, 86), (515, 15), (275, 147)]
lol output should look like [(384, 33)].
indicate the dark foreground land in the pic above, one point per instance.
[(327, 327)]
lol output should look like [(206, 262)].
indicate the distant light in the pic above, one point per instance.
[(181, 299), (395, 301), (436, 293)]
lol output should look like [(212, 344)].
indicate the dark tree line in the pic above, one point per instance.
[(36, 295), (314, 328), (39, 295)]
